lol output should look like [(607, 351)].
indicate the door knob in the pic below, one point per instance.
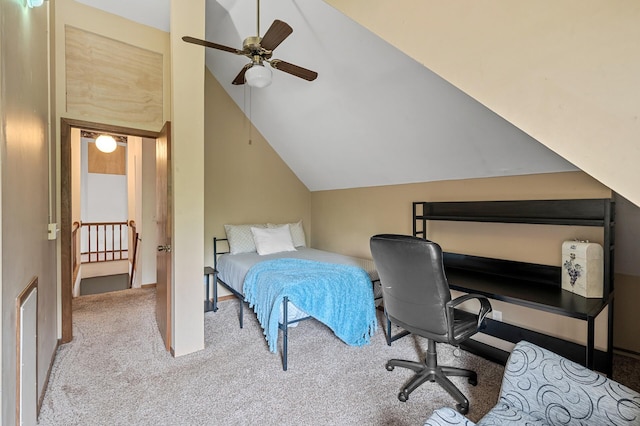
[(166, 248)]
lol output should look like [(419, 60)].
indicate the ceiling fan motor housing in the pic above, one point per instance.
[(252, 47)]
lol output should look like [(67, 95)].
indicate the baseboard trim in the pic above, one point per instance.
[(46, 379), (148, 285)]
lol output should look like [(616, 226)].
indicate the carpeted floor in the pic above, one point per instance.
[(117, 372)]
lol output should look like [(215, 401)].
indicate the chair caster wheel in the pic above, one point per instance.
[(389, 367), (403, 396), (462, 409), (473, 381)]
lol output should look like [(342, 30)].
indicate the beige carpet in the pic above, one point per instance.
[(116, 372)]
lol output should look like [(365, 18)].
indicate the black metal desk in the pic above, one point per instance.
[(526, 284), (540, 297)]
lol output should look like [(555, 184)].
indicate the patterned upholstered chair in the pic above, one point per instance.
[(542, 388)]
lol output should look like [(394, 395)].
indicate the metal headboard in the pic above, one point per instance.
[(216, 251)]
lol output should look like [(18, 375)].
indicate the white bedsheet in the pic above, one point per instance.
[(232, 268)]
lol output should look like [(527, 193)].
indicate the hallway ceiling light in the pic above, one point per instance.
[(106, 143), (35, 3)]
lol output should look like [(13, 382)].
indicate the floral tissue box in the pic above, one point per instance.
[(582, 268)]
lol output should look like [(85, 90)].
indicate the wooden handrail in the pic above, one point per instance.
[(136, 238)]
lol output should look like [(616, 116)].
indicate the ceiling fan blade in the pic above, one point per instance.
[(275, 35), (294, 70), (212, 45), (240, 77)]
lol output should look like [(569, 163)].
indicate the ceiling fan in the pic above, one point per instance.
[(260, 50)]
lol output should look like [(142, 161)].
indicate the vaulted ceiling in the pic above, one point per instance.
[(373, 117)]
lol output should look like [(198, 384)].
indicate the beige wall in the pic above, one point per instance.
[(561, 71), (124, 33), (187, 174), (344, 221), (24, 187), (80, 16), (187, 131), (244, 182)]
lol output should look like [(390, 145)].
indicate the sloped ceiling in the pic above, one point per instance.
[(373, 117), (565, 72)]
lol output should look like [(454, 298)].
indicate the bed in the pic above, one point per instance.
[(270, 281)]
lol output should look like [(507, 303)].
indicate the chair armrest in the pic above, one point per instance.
[(485, 306)]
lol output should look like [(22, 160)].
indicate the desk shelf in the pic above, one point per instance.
[(526, 284), (525, 293)]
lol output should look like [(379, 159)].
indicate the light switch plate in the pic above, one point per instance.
[(52, 231)]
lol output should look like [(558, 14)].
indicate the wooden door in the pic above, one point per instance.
[(164, 226)]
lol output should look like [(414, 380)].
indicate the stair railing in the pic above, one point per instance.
[(134, 258), (104, 241)]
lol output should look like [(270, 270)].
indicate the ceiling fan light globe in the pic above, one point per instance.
[(106, 143), (258, 76)]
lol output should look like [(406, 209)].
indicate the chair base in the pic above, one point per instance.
[(430, 371)]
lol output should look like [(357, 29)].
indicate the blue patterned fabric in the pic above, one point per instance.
[(339, 296), (540, 387), (446, 416)]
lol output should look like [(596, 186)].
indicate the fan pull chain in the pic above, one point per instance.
[(247, 115)]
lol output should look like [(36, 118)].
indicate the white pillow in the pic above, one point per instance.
[(272, 240), (297, 233), (240, 238)]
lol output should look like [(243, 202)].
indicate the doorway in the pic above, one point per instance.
[(66, 215), (105, 209)]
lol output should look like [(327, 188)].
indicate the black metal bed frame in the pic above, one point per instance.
[(282, 325)]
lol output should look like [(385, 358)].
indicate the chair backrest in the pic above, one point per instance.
[(414, 286)]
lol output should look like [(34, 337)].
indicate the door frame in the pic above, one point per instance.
[(66, 259)]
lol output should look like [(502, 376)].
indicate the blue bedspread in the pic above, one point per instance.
[(339, 296)]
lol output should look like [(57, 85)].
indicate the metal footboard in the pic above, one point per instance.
[(282, 325)]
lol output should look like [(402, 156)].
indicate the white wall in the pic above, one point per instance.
[(147, 247), (103, 198), (134, 194)]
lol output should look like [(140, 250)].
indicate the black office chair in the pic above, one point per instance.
[(416, 297)]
